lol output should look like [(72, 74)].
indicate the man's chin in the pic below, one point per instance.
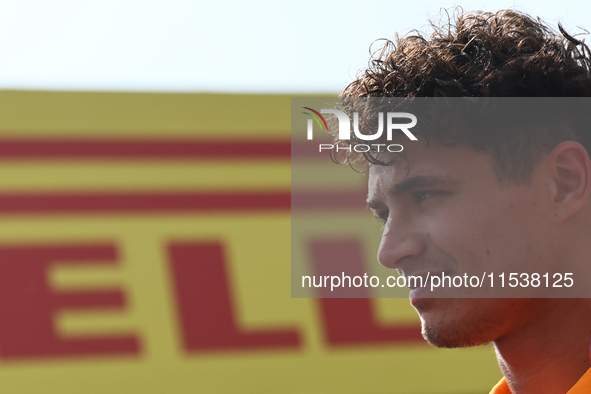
[(462, 322), (445, 332), (451, 337)]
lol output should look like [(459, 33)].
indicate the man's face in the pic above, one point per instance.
[(446, 212)]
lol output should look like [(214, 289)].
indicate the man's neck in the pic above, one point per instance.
[(548, 355)]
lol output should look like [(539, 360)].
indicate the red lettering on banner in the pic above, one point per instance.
[(205, 306), (28, 305), (102, 149), (350, 321)]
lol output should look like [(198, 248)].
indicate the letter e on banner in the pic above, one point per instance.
[(28, 305)]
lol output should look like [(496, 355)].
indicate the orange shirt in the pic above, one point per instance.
[(583, 386)]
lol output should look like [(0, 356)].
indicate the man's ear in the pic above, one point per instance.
[(570, 170)]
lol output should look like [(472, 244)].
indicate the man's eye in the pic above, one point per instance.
[(382, 217), (422, 196)]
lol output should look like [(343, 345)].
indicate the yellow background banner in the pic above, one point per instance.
[(145, 247)]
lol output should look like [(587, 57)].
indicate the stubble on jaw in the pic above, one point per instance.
[(458, 335), (480, 323), (472, 329)]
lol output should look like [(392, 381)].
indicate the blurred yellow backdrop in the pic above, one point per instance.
[(140, 251)]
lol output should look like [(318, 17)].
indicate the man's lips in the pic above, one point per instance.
[(421, 288), (425, 278)]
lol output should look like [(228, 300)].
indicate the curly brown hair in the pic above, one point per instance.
[(483, 54)]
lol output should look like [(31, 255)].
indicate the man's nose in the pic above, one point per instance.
[(400, 245)]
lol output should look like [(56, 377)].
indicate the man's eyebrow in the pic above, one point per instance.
[(412, 183), (415, 182)]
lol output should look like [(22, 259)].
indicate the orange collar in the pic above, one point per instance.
[(583, 386)]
